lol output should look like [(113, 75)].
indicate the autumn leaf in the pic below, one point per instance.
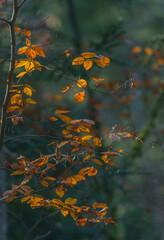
[(136, 49), (60, 192), (44, 183), (61, 112), (17, 173), (79, 97), (30, 100), (27, 91), (86, 138), (148, 51), (17, 98), (88, 54), (66, 88), (98, 162), (88, 64), (97, 142), (99, 205), (78, 61), (81, 222), (38, 50), (17, 30), (65, 119), (81, 83), (52, 118), (26, 33), (70, 201)]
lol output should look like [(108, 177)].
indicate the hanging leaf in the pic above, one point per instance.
[(88, 64), (30, 100), (79, 97), (81, 83), (27, 91), (88, 54)]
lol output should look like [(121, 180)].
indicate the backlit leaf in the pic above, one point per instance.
[(81, 222), (88, 54), (30, 100), (70, 201), (99, 205), (27, 91), (88, 64), (78, 61), (79, 97), (60, 192), (81, 83)]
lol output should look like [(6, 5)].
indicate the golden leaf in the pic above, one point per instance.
[(70, 201), (88, 54), (81, 83), (148, 51), (65, 119), (98, 162), (44, 183), (28, 42), (39, 51), (52, 118), (50, 178), (136, 49), (64, 212), (98, 205), (66, 88), (88, 64), (13, 108), (79, 97), (27, 91), (24, 199), (78, 61), (22, 50), (17, 29), (86, 138), (17, 173), (30, 100), (60, 192), (61, 112), (81, 222), (21, 74), (71, 180), (97, 142), (17, 98)]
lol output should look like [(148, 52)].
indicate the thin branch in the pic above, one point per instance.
[(20, 5), (18, 218), (31, 136), (5, 20)]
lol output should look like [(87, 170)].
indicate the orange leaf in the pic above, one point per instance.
[(97, 142), (136, 49), (98, 162), (17, 29), (28, 42), (78, 61), (52, 118), (70, 201), (88, 64), (98, 205), (44, 183), (65, 119), (79, 97), (60, 192), (30, 100), (88, 54), (81, 222), (61, 112), (66, 88), (81, 83), (26, 33), (17, 173), (27, 91), (148, 51)]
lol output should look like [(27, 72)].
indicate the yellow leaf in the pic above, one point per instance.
[(30, 100), (30, 53), (50, 178), (74, 215), (17, 173), (88, 64), (27, 91), (92, 171), (79, 97), (44, 183), (102, 62), (88, 54), (39, 51), (24, 199), (22, 50), (86, 138), (66, 88), (61, 112), (78, 61), (21, 74), (98, 162), (52, 118), (29, 66), (70, 201), (97, 142), (13, 108), (98, 205), (60, 192), (65, 119), (120, 150), (57, 201), (17, 98), (21, 63), (81, 83), (71, 180), (64, 212), (9, 199)]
